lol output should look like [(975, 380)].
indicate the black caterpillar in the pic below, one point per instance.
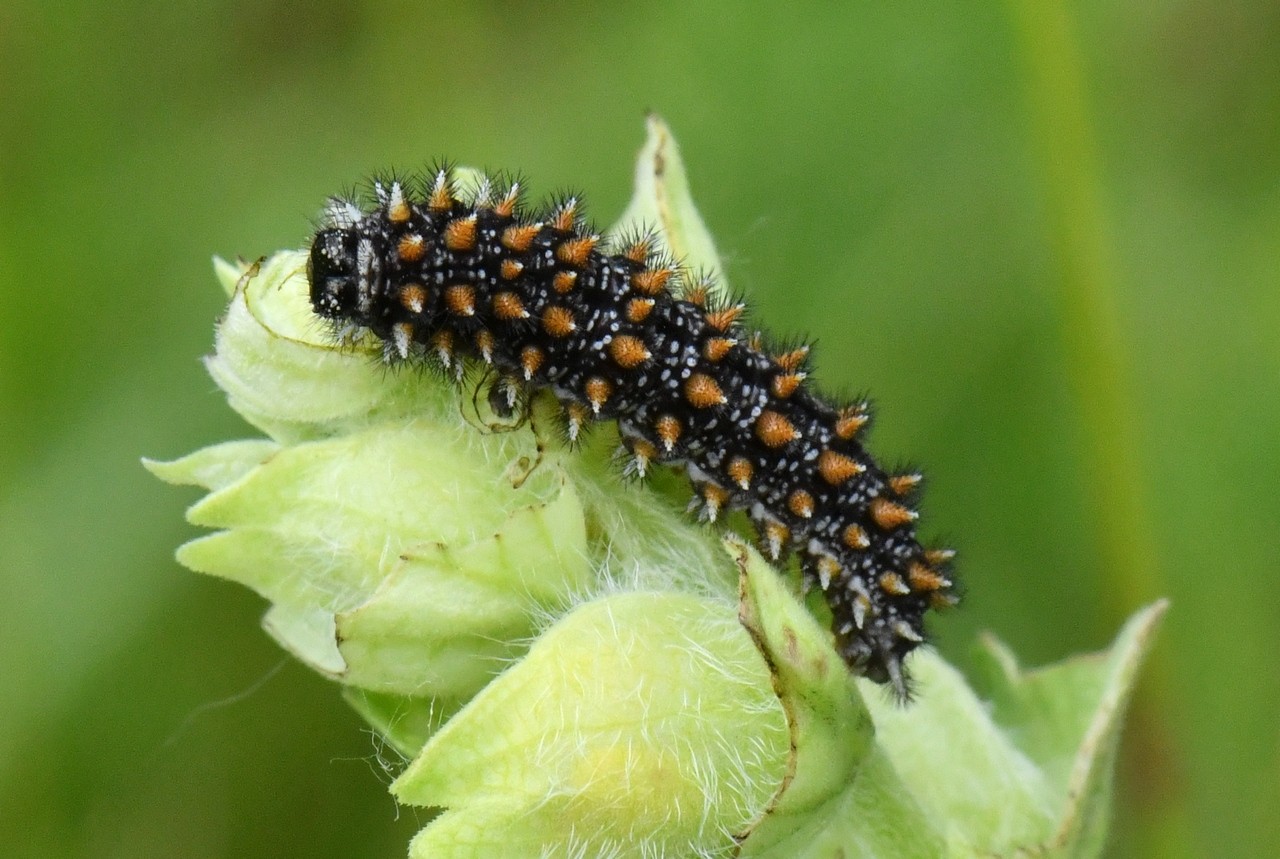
[(627, 336)]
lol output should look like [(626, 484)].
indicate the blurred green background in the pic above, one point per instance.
[(1045, 236)]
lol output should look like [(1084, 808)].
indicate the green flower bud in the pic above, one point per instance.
[(574, 666), (639, 724), (403, 551)]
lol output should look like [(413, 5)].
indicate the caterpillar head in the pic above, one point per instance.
[(343, 271)]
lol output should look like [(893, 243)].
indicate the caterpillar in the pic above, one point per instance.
[(616, 331)]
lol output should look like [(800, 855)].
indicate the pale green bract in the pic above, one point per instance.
[(572, 667)]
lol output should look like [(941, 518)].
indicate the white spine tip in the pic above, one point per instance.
[(640, 466), (860, 611), (904, 631)]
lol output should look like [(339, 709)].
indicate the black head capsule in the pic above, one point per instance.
[(333, 271)]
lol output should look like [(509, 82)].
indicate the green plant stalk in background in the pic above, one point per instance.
[(570, 666), (1099, 363)]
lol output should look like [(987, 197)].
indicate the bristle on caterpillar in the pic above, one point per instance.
[(619, 333)]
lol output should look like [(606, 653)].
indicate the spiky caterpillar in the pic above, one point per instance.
[(626, 336)]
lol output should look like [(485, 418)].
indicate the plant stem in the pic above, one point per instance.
[(1099, 368)]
